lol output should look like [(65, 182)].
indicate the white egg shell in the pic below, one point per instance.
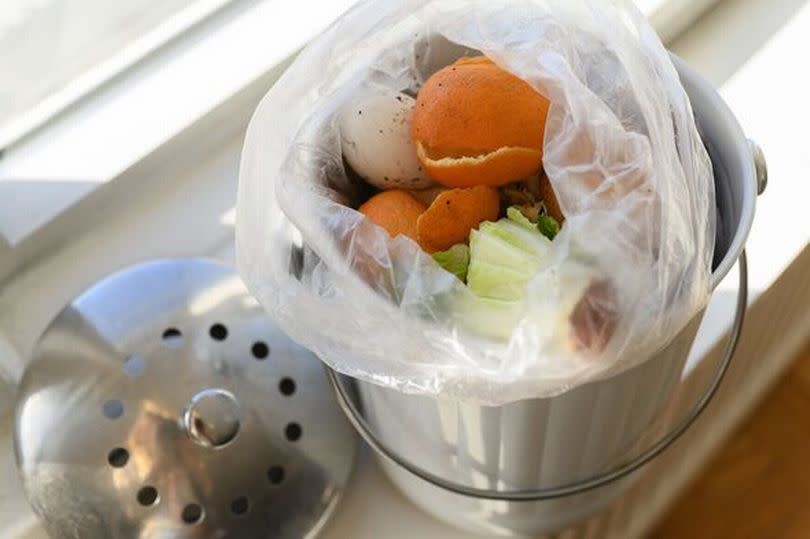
[(376, 139)]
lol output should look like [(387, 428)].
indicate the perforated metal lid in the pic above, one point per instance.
[(164, 403)]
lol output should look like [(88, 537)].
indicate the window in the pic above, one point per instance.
[(53, 52), (91, 88), (671, 17), (209, 58)]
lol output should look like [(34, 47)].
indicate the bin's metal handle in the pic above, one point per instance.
[(363, 428)]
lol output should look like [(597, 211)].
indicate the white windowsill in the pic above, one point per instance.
[(126, 122)]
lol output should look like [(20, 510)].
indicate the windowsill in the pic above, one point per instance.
[(236, 57)]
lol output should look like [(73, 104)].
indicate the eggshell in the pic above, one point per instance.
[(376, 139)]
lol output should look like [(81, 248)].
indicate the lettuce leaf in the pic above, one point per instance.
[(456, 260), (513, 213), (504, 256), (548, 226)]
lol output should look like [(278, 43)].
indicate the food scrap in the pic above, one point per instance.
[(427, 196), (477, 131), (395, 210), (550, 201), (504, 256), (548, 226), (460, 172), (477, 124), (455, 260), (453, 214), (376, 139)]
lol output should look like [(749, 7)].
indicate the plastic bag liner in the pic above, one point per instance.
[(622, 153)]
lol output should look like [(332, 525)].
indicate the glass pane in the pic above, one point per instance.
[(649, 6), (47, 44)]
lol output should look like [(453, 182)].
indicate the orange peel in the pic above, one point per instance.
[(453, 214), (427, 196), (550, 200), (395, 210), (477, 124)]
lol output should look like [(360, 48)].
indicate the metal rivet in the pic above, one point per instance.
[(760, 165), (212, 418)]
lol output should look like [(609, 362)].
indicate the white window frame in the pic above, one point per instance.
[(94, 79), (671, 17)]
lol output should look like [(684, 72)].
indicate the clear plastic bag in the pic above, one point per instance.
[(621, 150)]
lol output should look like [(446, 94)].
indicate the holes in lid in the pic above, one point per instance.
[(148, 496), (240, 505), (134, 365), (286, 386), (113, 409), (218, 332), (275, 474), (293, 431), (260, 350), (192, 514), (118, 457), (172, 337)]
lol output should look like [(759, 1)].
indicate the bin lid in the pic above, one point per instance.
[(162, 402)]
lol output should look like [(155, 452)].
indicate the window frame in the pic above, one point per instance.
[(93, 80)]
